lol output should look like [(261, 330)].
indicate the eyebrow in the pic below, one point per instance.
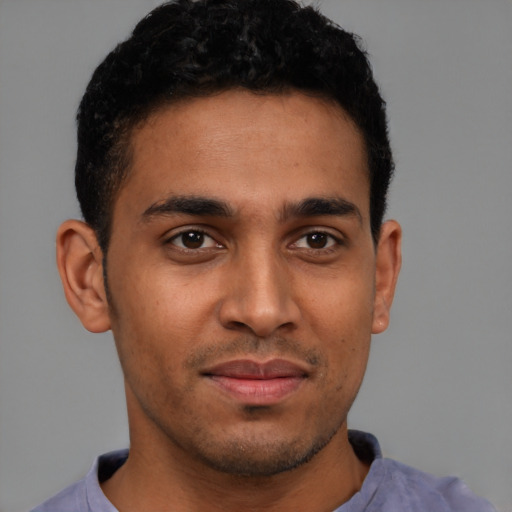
[(208, 207), (188, 205), (320, 206)]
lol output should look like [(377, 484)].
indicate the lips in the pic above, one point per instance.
[(255, 383)]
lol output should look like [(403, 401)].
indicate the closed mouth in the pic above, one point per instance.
[(257, 383)]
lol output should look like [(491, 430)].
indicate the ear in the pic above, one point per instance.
[(388, 262), (80, 264)]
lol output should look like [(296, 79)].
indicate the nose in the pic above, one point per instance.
[(258, 296)]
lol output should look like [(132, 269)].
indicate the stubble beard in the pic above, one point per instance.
[(252, 458), (255, 454)]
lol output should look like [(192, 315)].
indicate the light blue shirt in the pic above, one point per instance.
[(389, 487)]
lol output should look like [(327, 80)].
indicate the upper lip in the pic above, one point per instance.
[(250, 369)]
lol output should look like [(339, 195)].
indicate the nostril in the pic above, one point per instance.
[(238, 326)]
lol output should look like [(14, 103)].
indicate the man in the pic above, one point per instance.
[(232, 170)]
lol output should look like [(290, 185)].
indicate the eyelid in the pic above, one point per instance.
[(333, 241), (337, 242), (175, 233), (311, 230), (335, 235)]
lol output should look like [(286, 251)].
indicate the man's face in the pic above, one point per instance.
[(241, 272)]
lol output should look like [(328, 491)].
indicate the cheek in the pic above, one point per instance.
[(159, 301), (160, 317), (340, 317), (341, 310), (140, 321)]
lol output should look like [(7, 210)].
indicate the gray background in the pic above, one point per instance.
[(438, 388)]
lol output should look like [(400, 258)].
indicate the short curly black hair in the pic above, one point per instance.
[(193, 48)]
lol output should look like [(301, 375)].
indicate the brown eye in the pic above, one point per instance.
[(317, 240), (193, 239)]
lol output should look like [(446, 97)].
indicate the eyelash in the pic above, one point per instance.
[(333, 240), (197, 231)]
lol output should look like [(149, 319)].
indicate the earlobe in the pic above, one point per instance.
[(80, 264), (388, 262)]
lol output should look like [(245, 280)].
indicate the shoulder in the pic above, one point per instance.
[(416, 490), (71, 499), (391, 486), (86, 494)]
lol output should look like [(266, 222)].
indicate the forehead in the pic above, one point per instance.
[(248, 148)]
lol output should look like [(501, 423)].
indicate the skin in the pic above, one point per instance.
[(249, 272)]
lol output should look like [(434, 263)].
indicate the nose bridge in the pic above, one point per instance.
[(260, 296), (263, 274)]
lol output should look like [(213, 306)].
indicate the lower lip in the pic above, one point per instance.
[(258, 391)]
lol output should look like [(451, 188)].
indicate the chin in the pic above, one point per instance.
[(260, 458)]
